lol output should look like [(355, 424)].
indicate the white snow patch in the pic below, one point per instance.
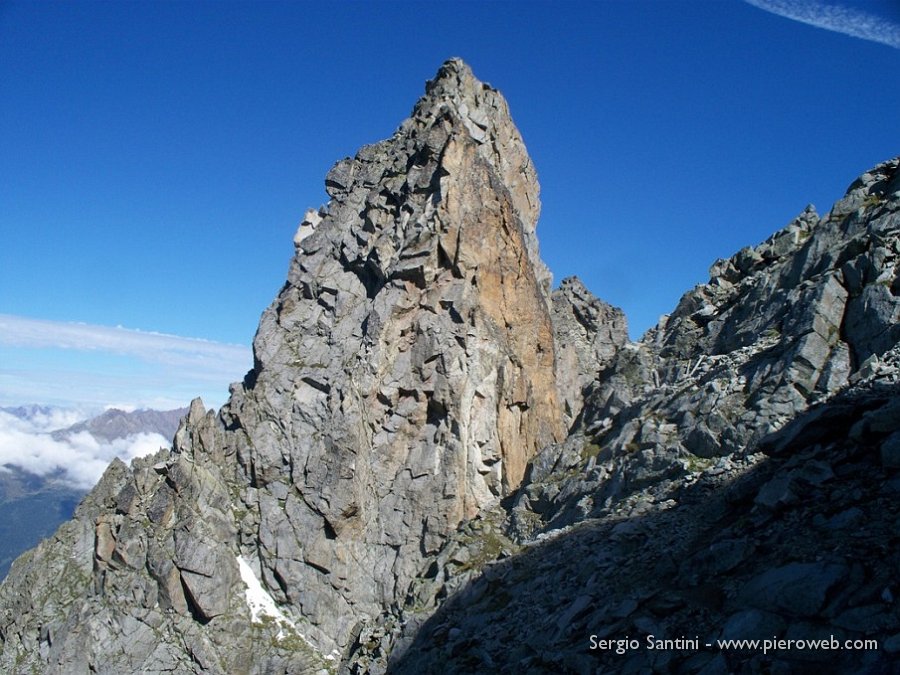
[(310, 222), (260, 602)]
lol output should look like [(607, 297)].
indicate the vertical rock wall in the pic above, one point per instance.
[(403, 378), (405, 374)]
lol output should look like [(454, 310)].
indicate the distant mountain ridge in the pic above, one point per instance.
[(28, 411), (115, 423)]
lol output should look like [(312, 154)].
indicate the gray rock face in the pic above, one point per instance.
[(660, 514), (405, 374), (403, 379), (32, 507), (589, 333), (779, 327)]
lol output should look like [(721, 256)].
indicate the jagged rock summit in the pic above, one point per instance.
[(408, 360), (402, 380)]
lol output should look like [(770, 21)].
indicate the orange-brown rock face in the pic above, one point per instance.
[(485, 239), (409, 361)]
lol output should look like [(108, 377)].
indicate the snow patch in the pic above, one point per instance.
[(258, 599), (310, 222)]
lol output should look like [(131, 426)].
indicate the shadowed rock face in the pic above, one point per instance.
[(403, 378), (798, 545)]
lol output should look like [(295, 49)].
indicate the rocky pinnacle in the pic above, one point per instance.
[(402, 380), (405, 374), (435, 465)]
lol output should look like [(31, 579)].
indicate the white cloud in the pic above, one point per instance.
[(76, 364), (46, 419), (835, 17), (79, 460), (19, 331)]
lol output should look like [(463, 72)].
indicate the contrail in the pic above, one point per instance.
[(837, 18)]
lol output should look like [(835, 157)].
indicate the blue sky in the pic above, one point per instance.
[(157, 157)]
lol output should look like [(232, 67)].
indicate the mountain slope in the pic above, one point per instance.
[(114, 423), (33, 506), (779, 327), (733, 475)]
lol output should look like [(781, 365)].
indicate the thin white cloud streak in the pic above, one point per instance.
[(96, 391), (95, 366), (837, 18), (78, 460), (19, 331)]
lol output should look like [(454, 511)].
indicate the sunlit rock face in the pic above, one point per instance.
[(403, 378), (405, 374), (732, 475), (589, 334)]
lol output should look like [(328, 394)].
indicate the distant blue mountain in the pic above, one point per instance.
[(32, 507)]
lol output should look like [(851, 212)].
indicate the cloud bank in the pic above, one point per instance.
[(78, 460), (78, 365), (838, 18)]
